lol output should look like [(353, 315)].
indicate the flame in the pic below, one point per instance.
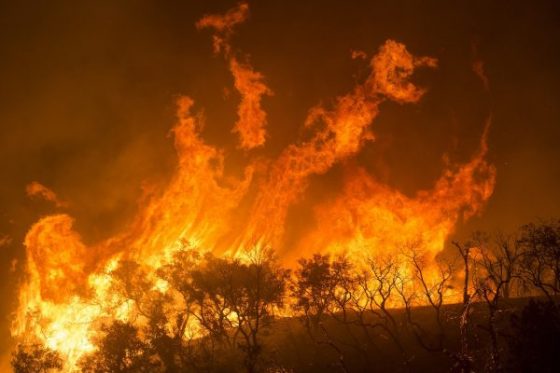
[(344, 132), (224, 24), (66, 292), (38, 190), (372, 216), (251, 123)]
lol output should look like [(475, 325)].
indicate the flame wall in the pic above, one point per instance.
[(65, 292)]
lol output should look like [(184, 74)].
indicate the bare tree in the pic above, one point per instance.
[(428, 281), (434, 283), (464, 357), (508, 254), (465, 253), (541, 256), (376, 293), (497, 262)]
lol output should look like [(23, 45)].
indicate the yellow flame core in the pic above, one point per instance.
[(66, 293)]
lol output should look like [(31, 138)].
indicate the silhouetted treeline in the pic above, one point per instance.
[(488, 304)]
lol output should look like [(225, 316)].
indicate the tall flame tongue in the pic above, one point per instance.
[(249, 83), (66, 290), (344, 131)]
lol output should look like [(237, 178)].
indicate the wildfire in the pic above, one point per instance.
[(66, 292)]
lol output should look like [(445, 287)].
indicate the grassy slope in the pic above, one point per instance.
[(288, 345)]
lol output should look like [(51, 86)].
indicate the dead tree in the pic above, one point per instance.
[(464, 359), (540, 266), (497, 266), (428, 284), (375, 294)]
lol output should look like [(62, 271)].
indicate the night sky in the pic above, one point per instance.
[(87, 92)]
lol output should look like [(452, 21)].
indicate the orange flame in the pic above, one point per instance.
[(66, 290), (372, 218), (249, 83), (344, 131), (38, 190)]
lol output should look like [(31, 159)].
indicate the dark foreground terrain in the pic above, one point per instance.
[(528, 339)]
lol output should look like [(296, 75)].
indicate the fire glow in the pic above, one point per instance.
[(66, 295)]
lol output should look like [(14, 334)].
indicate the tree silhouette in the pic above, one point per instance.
[(206, 313), (176, 348), (121, 350), (235, 300), (35, 358), (318, 293), (541, 256)]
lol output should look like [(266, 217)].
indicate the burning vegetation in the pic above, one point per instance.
[(194, 281)]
